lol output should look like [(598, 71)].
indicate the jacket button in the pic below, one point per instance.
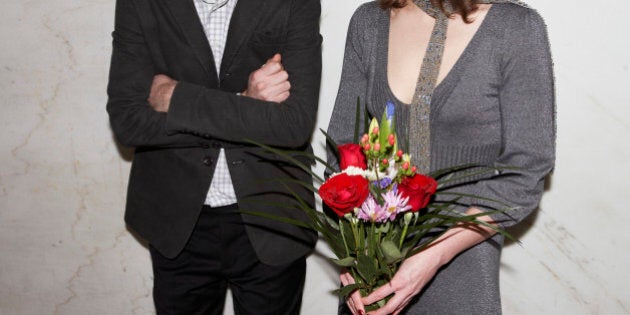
[(208, 161)]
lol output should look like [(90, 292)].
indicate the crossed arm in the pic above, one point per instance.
[(147, 108), (269, 83)]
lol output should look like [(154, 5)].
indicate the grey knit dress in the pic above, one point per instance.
[(495, 107)]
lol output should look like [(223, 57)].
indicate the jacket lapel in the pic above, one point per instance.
[(244, 20), (186, 16)]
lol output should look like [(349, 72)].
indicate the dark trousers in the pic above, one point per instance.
[(217, 256)]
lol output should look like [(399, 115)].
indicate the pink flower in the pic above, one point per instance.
[(395, 203), (371, 211)]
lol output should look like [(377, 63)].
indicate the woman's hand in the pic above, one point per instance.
[(354, 300), (414, 273)]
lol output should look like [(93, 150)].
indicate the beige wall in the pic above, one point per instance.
[(64, 248)]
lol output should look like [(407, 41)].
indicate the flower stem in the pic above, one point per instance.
[(343, 237), (404, 234)]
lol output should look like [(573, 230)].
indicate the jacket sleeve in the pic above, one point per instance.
[(132, 68), (226, 116), (353, 85), (528, 123)]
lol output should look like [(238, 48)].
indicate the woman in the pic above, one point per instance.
[(482, 92)]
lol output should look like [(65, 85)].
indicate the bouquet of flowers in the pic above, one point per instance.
[(384, 211)]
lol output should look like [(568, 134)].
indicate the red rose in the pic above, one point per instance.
[(342, 193), (419, 189), (351, 154)]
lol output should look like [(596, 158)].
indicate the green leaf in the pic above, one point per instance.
[(384, 130), (347, 290), (451, 170), (366, 268), (279, 218), (312, 156), (391, 251), (344, 262), (348, 236), (366, 118), (331, 222), (473, 196), (331, 142), (288, 157)]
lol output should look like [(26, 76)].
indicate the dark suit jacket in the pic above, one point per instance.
[(176, 152)]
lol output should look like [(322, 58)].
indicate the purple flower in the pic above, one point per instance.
[(390, 108), (395, 203), (371, 211), (383, 183)]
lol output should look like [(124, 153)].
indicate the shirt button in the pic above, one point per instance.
[(208, 161)]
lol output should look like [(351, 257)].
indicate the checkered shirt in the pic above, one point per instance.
[(215, 17)]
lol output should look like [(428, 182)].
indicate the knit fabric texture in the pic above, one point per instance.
[(495, 107)]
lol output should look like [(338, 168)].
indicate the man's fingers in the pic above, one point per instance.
[(271, 67), (269, 74), (270, 82), (277, 89), (280, 97), (160, 79), (276, 78), (276, 58)]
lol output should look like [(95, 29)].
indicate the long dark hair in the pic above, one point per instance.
[(462, 7)]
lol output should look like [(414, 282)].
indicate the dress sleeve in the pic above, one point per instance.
[(353, 85), (527, 105)]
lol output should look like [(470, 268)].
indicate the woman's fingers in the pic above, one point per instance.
[(353, 300)]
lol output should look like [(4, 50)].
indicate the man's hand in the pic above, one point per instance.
[(161, 91), (270, 82)]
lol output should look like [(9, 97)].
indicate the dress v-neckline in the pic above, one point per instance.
[(451, 74)]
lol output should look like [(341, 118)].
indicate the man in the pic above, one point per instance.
[(191, 81)]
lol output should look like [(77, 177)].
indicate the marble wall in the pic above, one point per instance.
[(64, 248)]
